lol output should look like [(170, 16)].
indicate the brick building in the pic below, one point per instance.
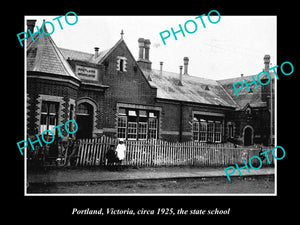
[(110, 93)]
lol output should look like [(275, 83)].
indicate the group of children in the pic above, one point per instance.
[(115, 156)]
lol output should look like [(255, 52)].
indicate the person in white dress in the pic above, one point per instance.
[(121, 151)]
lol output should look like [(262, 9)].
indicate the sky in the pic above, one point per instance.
[(235, 45)]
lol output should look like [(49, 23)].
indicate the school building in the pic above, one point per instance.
[(110, 93)]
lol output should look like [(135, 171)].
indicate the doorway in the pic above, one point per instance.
[(84, 119), (248, 136)]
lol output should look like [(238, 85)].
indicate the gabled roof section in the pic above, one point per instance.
[(44, 56), (83, 56), (87, 57), (193, 89), (253, 97)]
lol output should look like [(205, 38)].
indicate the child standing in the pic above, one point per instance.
[(121, 149)]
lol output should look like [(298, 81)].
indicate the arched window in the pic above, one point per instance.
[(248, 135)]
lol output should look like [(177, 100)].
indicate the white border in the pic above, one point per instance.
[(58, 194)]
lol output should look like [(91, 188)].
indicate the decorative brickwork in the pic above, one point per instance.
[(32, 113), (65, 114)]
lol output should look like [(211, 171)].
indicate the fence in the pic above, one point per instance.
[(92, 152)]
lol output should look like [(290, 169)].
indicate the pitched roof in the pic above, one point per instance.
[(245, 97), (193, 89), (88, 57), (83, 56), (44, 56)]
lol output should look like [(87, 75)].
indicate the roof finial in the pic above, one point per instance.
[(122, 33)]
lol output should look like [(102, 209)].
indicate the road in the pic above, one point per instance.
[(206, 185)]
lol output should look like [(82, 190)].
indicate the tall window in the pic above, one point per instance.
[(218, 131), (132, 125), (210, 131), (135, 124), (203, 131), (122, 126), (195, 129), (207, 129), (122, 65), (49, 115), (230, 130), (143, 125), (152, 128)]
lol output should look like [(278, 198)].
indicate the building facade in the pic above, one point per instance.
[(110, 93)]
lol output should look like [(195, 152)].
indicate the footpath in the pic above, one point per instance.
[(67, 175)]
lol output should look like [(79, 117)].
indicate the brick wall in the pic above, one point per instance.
[(129, 86), (54, 89)]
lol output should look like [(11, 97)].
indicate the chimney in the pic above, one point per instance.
[(161, 65), (185, 63), (147, 48), (96, 52), (31, 25), (141, 48), (180, 76), (267, 62), (144, 48)]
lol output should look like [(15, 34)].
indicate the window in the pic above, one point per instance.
[(196, 129), (152, 128), (143, 127), (230, 129), (203, 131), (218, 131), (132, 130), (210, 131), (122, 126), (122, 64), (207, 129), (137, 124), (48, 116), (83, 109)]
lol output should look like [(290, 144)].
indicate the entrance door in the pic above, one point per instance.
[(248, 136), (84, 119)]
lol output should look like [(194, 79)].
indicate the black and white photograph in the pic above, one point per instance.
[(150, 105), (172, 114)]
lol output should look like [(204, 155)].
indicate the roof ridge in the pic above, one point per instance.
[(74, 50), (237, 105), (109, 51)]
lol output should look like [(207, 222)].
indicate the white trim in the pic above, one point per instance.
[(208, 113), (170, 132), (135, 106)]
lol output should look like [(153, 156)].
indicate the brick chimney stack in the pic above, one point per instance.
[(267, 62), (144, 54), (180, 76), (147, 44), (161, 68), (96, 52), (185, 63), (31, 25), (141, 48)]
